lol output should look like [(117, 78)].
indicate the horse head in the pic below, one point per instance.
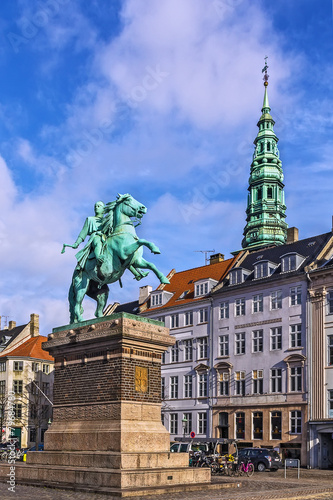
[(130, 206)]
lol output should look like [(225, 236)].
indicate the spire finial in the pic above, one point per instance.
[(264, 70)]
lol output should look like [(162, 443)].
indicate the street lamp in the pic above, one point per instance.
[(184, 422)]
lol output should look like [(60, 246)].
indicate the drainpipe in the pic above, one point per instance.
[(211, 376)]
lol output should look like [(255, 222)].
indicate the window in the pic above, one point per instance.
[(203, 315), (296, 379), (202, 380), (202, 347), (162, 418), (187, 426), (276, 338), (174, 387), (257, 425), (202, 423), (188, 349), (276, 425), (2, 366), (276, 299), (295, 295), (162, 387), (258, 381), (175, 353), (257, 303), (240, 425), (46, 368), (2, 387), (17, 410), (164, 358), (161, 319), (156, 299), (289, 263), (330, 349), (237, 276), (174, 320), (295, 422), (189, 318), (269, 189), (240, 307), (240, 383), (32, 435), (240, 343), (187, 386), (330, 302), (35, 367), (46, 388), (201, 289), (224, 384), (261, 270), (257, 341), (33, 411), (296, 335), (224, 310), (18, 386), (18, 366), (330, 403), (224, 345), (173, 423), (276, 380)]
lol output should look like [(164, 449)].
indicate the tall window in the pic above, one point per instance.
[(240, 425), (202, 347), (174, 387), (202, 381), (276, 299), (202, 423), (2, 387), (35, 367), (295, 422), (18, 386), (276, 380), (224, 345), (330, 403), (173, 423), (46, 388), (18, 366), (203, 315), (164, 358), (224, 310), (175, 353), (276, 425), (240, 343), (330, 349), (258, 381), (330, 302), (257, 425), (296, 379), (240, 307), (174, 320), (276, 338), (296, 335), (288, 263), (189, 318), (224, 384), (46, 368), (257, 341), (188, 349), (162, 387), (2, 366), (295, 295), (258, 303), (187, 386), (17, 410), (187, 426), (261, 270), (156, 299), (240, 383)]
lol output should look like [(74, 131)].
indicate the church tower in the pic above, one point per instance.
[(265, 205)]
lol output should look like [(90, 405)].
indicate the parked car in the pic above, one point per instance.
[(262, 458), (40, 447), (188, 447)]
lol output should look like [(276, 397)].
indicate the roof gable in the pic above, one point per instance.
[(31, 348)]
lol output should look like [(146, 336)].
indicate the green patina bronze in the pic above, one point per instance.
[(112, 247), (266, 210)]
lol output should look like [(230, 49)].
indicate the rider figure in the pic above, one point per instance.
[(92, 227)]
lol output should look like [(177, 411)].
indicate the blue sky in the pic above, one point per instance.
[(159, 98)]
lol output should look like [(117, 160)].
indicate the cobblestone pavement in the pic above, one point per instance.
[(313, 484)]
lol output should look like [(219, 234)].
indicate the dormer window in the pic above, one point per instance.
[(239, 275), (158, 298), (263, 269), (203, 287), (291, 262)]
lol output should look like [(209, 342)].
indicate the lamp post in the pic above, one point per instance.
[(184, 422)]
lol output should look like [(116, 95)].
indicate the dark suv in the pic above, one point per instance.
[(262, 458)]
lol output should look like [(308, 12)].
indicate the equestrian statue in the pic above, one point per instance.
[(112, 247)]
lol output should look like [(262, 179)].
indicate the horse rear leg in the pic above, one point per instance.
[(142, 263), (80, 285)]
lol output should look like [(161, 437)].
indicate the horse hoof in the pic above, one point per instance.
[(165, 281)]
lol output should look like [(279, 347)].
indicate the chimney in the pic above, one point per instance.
[(145, 291), (292, 235), (34, 325), (217, 257), (12, 324)]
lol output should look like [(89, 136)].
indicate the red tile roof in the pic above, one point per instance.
[(32, 348), (184, 281)]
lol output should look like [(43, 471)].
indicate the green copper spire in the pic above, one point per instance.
[(265, 206)]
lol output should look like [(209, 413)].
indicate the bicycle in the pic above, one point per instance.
[(246, 468)]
